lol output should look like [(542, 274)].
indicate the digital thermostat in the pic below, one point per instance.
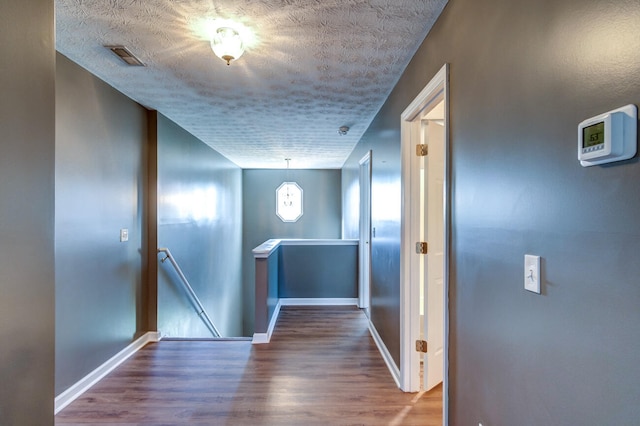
[(608, 137)]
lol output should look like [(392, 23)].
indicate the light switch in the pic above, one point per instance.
[(532, 273), (124, 235)]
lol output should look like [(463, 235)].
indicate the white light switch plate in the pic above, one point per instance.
[(124, 235), (532, 273)]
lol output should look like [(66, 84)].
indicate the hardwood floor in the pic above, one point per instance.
[(321, 368)]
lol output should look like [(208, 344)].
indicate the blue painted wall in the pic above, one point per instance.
[(321, 219), (318, 271), (100, 178), (200, 221), (383, 139)]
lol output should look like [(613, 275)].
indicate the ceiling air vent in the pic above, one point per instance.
[(124, 54)]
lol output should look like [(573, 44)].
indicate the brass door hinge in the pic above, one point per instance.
[(422, 150), (421, 346), (422, 248)]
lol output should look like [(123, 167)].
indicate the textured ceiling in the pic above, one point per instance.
[(313, 66)]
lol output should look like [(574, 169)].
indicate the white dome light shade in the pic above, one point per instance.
[(227, 44)]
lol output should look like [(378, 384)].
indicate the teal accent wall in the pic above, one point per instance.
[(200, 221)]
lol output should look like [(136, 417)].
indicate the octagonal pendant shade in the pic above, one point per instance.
[(289, 202)]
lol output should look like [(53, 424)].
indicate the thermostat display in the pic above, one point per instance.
[(608, 137), (593, 136)]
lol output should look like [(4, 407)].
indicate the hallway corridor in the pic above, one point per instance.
[(321, 368)]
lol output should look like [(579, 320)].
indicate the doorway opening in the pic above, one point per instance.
[(425, 239), (364, 252)]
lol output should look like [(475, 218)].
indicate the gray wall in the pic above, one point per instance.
[(321, 219), (100, 139), (523, 75), (27, 112), (383, 139), (200, 221)]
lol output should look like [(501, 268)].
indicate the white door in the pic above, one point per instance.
[(432, 227), (365, 234), (425, 191)]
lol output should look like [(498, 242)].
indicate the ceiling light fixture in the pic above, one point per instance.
[(227, 44), (343, 130)]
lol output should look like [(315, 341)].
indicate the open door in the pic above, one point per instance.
[(424, 273), (365, 234), (432, 231)]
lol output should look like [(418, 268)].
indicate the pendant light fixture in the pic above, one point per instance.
[(288, 202), (289, 199), (227, 44)]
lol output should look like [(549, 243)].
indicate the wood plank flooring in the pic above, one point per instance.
[(321, 368)]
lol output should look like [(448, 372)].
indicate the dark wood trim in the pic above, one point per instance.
[(149, 293)]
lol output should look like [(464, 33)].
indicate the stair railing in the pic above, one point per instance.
[(195, 302)]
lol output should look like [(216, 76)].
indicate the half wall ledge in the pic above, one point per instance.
[(302, 271)]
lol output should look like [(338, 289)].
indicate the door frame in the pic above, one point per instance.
[(410, 292), (364, 288)]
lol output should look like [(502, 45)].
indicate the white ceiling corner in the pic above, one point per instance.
[(316, 65)]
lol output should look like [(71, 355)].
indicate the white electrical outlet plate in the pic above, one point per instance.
[(124, 235), (532, 273)]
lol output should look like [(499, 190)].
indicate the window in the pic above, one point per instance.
[(289, 202)]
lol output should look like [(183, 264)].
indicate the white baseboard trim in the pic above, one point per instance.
[(386, 356), (260, 338), (76, 390), (331, 301)]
